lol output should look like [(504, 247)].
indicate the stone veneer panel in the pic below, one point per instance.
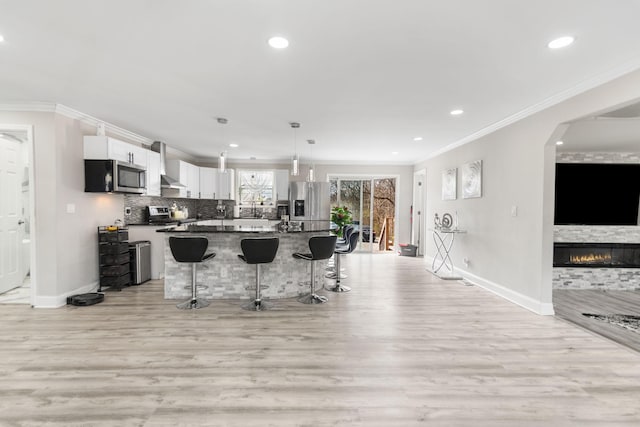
[(623, 279), (562, 157), (227, 276), (596, 233)]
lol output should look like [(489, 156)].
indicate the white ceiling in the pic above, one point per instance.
[(363, 77)]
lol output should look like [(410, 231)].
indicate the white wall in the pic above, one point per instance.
[(76, 243), (65, 243), (512, 256)]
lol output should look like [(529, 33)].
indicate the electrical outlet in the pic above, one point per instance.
[(465, 261), (127, 210)]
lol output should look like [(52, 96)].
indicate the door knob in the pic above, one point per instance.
[(20, 222)]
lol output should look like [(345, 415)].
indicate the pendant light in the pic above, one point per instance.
[(295, 161), (311, 177), (222, 163), (222, 160)]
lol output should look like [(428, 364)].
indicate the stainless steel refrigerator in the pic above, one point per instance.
[(309, 201)]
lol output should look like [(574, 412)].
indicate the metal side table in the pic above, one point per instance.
[(444, 238)]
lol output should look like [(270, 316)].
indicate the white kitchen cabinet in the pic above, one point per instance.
[(208, 183), (193, 186), (153, 174), (226, 185), (281, 184), (187, 174), (104, 147)]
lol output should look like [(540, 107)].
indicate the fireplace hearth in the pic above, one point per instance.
[(598, 255)]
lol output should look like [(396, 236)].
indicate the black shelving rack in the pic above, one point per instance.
[(113, 252)]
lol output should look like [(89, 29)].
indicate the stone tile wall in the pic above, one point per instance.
[(562, 157), (596, 278), (596, 234), (227, 276)]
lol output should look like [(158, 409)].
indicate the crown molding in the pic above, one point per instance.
[(579, 88), (50, 107)]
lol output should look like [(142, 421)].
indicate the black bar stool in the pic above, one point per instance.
[(321, 247), (353, 242), (258, 251), (192, 250), (341, 243)]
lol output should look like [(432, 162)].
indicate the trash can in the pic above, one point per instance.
[(140, 261), (407, 249)]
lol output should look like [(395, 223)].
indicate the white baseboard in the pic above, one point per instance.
[(531, 304), (61, 300)]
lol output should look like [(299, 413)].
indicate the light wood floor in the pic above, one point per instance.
[(403, 348), (571, 303)]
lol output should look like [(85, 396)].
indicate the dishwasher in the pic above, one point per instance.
[(140, 261)]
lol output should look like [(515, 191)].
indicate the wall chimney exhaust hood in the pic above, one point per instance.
[(166, 181)]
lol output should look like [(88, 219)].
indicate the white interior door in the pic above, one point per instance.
[(10, 215)]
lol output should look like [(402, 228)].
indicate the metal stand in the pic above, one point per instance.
[(313, 298), (194, 302), (257, 304), (338, 287), (444, 238)]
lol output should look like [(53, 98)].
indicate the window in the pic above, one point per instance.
[(256, 186)]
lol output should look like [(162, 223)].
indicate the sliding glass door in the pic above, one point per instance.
[(372, 203)]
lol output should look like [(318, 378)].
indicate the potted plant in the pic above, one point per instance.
[(341, 216)]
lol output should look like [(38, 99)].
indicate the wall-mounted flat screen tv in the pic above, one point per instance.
[(597, 194)]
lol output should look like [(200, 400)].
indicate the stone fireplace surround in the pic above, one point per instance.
[(594, 277)]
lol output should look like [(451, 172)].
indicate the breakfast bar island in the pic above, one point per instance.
[(227, 276)]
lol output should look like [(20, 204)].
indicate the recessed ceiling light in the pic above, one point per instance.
[(560, 42), (278, 42), (394, 153), (417, 138), (232, 145), (559, 142), (456, 112), (1, 38)]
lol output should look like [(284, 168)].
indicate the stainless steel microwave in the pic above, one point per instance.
[(113, 176)]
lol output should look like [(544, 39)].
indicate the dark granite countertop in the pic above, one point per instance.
[(203, 227), (131, 224), (198, 220)]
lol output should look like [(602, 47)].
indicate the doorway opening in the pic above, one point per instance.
[(372, 201), (16, 228), (594, 259)]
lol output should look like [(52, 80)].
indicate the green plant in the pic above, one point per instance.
[(341, 216)]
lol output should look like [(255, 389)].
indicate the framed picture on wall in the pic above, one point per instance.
[(472, 179), (449, 184)]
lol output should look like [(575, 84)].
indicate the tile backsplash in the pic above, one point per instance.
[(198, 208)]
